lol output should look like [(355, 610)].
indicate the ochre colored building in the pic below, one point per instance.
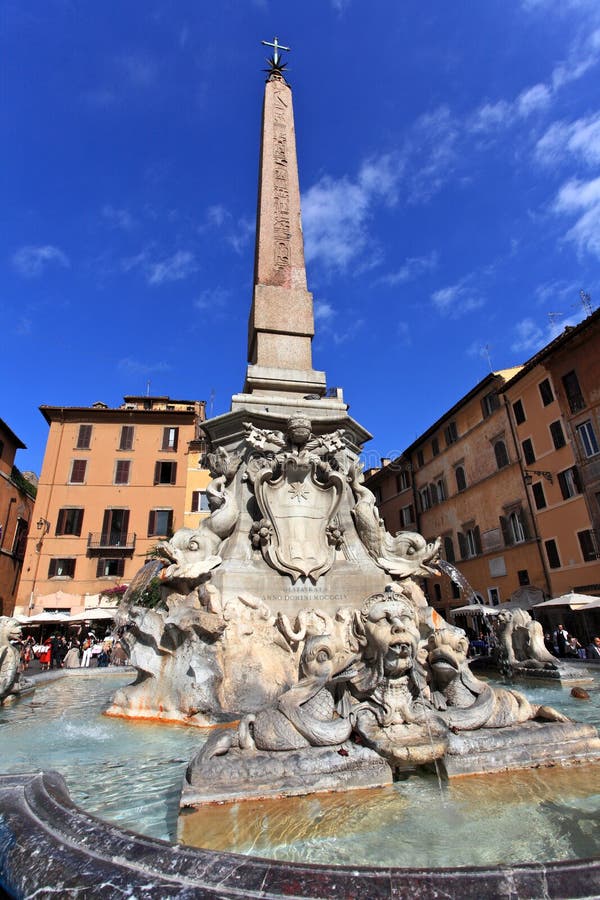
[(113, 484), (16, 511), (555, 403)]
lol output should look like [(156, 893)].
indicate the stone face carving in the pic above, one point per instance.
[(405, 554), (11, 683)]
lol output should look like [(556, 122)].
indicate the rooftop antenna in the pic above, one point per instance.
[(148, 388), (586, 301), (211, 402)]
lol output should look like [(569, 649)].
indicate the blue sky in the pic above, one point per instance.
[(450, 170)]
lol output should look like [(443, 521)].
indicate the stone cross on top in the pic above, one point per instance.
[(276, 47)]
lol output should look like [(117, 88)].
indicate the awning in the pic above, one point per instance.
[(476, 608), (93, 614), (576, 602), (46, 618)]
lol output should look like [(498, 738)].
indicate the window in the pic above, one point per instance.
[(519, 412), (552, 554), (420, 458), (588, 439), (403, 480), (435, 447), (70, 520), (165, 473), (470, 541), (78, 468), (516, 528), (461, 481), (587, 542), (407, 516), (528, 452), (170, 438), (122, 469), (449, 550), (199, 501), (425, 499), (61, 568), (493, 596), (539, 498), (455, 590), (160, 522), (569, 483), (546, 392), (441, 489), (501, 454), (489, 404), (84, 437), (107, 568), (126, 441), (573, 392), (558, 435), (523, 576), (20, 539), (433, 494), (438, 592), (450, 434), (114, 527)]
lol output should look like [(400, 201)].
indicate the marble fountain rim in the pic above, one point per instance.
[(78, 851)]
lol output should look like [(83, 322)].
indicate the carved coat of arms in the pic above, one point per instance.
[(298, 494)]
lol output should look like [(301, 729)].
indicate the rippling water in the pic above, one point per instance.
[(131, 774)]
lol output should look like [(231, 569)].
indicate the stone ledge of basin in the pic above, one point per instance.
[(47, 842)]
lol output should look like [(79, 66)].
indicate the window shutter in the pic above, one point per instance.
[(60, 522), (100, 568), (506, 534), (462, 545), (195, 500), (526, 523), (411, 513), (157, 473), (120, 567), (152, 522), (577, 479), (52, 568), (564, 487), (78, 522), (170, 522), (125, 523), (106, 522), (477, 536), (173, 473), (175, 439)]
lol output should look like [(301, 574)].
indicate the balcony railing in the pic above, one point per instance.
[(111, 540)]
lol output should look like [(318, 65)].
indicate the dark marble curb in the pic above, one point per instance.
[(51, 848)]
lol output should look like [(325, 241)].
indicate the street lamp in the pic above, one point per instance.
[(529, 473)]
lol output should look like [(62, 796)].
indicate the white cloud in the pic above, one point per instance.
[(136, 367), (413, 267), (582, 198), (118, 218), (533, 99), (217, 215), (175, 268), (323, 311), (531, 337), (212, 298), (580, 138), (457, 300), (31, 261), (403, 333), (336, 212), (239, 239)]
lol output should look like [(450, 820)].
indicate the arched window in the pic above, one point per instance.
[(516, 528), (501, 454), (449, 550), (461, 481)]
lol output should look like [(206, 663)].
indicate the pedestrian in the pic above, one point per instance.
[(87, 653), (593, 649), (561, 637)]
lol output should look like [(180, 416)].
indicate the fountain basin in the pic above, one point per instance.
[(480, 833)]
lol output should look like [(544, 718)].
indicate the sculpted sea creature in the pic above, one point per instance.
[(464, 702), (522, 641), (10, 630), (305, 715), (403, 555)]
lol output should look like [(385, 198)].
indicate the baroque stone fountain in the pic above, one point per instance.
[(295, 623)]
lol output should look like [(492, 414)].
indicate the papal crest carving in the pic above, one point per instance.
[(299, 507)]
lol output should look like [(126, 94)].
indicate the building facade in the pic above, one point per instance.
[(17, 496), (509, 478), (113, 484)]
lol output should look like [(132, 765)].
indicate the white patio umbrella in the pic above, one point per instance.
[(574, 601), (476, 608), (89, 615), (47, 618)]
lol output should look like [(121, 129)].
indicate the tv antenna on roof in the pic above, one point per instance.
[(485, 351), (211, 402)]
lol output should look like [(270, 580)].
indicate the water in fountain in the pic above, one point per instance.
[(458, 578)]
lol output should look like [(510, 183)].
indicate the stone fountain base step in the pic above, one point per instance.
[(520, 747), (262, 774)]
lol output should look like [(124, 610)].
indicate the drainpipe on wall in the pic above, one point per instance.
[(532, 516)]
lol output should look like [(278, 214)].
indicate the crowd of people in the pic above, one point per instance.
[(562, 644), (80, 650)]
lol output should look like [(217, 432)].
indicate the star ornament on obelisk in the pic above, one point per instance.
[(276, 66)]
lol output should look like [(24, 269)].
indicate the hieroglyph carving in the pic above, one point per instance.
[(281, 223)]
